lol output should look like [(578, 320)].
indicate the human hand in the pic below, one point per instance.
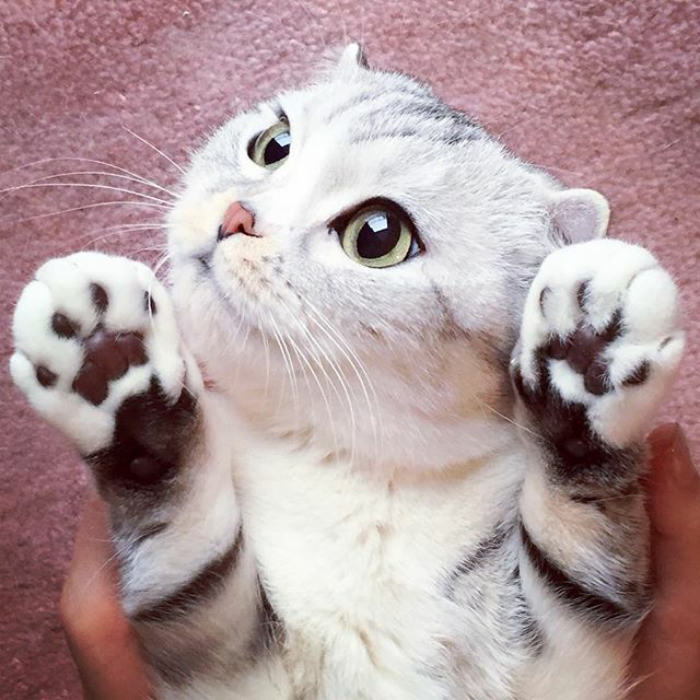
[(99, 635), (667, 657)]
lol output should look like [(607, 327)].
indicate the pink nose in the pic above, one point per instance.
[(237, 219)]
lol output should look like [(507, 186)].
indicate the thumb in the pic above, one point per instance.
[(674, 511), (667, 658)]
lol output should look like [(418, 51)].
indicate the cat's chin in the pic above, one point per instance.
[(394, 424), (382, 439)]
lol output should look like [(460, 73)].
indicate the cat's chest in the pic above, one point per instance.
[(349, 559)]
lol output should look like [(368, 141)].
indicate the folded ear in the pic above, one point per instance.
[(353, 56), (343, 62), (579, 214)]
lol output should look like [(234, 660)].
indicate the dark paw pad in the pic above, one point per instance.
[(150, 438), (108, 356), (584, 350)]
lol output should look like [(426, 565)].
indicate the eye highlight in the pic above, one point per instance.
[(379, 234), (271, 148)]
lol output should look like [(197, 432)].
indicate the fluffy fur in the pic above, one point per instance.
[(357, 505)]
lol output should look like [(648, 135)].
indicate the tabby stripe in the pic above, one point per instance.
[(571, 592), (474, 559), (148, 532), (204, 585), (361, 98)]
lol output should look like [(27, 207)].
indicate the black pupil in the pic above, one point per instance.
[(277, 148), (379, 234)]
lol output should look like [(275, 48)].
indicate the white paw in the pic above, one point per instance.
[(601, 328), (90, 331)]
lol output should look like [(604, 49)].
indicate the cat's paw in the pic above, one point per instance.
[(600, 336), (96, 343)]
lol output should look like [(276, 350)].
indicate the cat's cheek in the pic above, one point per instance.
[(195, 220)]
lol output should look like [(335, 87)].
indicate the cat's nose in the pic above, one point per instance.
[(237, 219)]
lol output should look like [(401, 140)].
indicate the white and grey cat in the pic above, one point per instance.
[(412, 469)]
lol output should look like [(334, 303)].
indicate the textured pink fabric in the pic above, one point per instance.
[(605, 94)]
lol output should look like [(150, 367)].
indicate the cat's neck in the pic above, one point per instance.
[(377, 419)]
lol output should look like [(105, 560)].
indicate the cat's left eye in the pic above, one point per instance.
[(271, 148), (380, 234)]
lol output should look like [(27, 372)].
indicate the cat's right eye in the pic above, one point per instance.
[(379, 234), (271, 148)]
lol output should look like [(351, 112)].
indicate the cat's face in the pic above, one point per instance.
[(390, 232)]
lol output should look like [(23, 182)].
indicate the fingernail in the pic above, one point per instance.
[(684, 472), (670, 457), (662, 439)]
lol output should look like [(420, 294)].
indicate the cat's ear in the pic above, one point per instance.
[(352, 56), (579, 214), (342, 62)]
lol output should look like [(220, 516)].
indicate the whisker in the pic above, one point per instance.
[(242, 350), (82, 207), (164, 260), (324, 397), (105, 173), (94, 161), (357, 367), (267, 354), (17, 188), (98, 571), (113, 232), (489, 407), (342, 382), (156, 149), (286, 358), (283, 339)]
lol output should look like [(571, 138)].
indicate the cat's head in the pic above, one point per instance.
[(375, 244)]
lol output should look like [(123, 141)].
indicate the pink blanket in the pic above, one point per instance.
[(599, 92)]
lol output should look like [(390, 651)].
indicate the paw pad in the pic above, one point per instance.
[(99, 297), (108, 356), (584, 352), (45, 376), (598, 347), (90, 341), (62, 326)]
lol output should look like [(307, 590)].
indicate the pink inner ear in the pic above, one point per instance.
[(580, 216), (576, 220)]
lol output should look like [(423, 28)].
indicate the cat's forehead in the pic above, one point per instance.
[(380, 134), (377, 106)]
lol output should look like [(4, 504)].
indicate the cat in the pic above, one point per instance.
[(380, 435)]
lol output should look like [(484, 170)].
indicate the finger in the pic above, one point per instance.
[(91, 576), (674, 510), (667, 657), (99, 636)]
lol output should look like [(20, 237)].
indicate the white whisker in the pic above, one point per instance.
[(143, 195), (93, 161), (100, 173), (324, 397), (155, 148), (287, 358), (114, 232), (342, 382), (82, 207), (357, 367)]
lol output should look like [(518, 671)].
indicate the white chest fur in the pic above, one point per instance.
[(357, 565)]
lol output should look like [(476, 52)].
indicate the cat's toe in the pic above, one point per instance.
[(92, 331), (600, 330)]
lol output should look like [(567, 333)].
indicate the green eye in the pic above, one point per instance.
[(379, 236), (271, 148)]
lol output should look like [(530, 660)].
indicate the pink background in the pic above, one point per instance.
[(604, 94)]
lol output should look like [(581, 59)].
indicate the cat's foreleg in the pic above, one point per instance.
[(98, 354), (598, 349)]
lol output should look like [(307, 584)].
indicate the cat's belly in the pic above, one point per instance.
[(359, 568)]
